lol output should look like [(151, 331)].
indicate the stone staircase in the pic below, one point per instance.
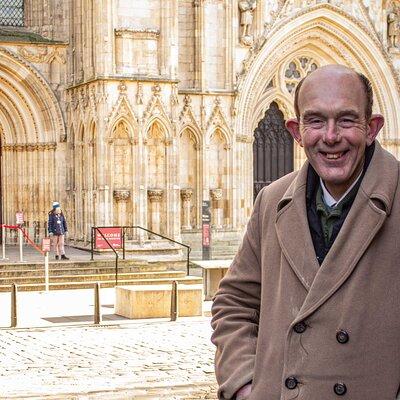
[(84, 274)]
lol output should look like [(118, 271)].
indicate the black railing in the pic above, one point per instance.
[(94, 228), (98, 228)]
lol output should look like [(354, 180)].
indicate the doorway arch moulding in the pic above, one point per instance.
[(34, 95), (339, 38)]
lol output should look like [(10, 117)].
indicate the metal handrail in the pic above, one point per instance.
[(94, 228), (188, 248)]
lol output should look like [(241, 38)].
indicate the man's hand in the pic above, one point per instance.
[(244, 392)]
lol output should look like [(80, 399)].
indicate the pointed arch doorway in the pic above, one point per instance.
[(272, 149)]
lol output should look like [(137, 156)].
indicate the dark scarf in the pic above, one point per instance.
[(314, 222)]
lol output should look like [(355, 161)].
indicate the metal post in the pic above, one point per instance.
[(123, 242), (3, 244), (97, 313), (92, 244), (13, 305), (174, 301), (21, 256), (116, 270), (188, 262), (46, 271)]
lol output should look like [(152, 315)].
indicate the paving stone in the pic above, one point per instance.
[(149, 360)]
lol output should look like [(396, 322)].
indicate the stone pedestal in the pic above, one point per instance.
[(186, 196), (154, 301), (217, 208), (155, 197)]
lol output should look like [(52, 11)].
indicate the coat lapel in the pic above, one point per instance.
[(369, 211), (293, 232)]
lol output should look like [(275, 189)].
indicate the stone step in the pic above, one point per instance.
[(78, 271), (92, 277), (159, 265), (187, 280)]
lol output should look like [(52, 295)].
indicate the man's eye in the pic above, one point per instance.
[(315, 122), (346, 122)]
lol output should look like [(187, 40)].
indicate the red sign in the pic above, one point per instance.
[(19, 216), (113, 235), (206, 235), (46, 244)]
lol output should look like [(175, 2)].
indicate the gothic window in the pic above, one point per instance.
[(296, 70), (12, 13), (272, 149)]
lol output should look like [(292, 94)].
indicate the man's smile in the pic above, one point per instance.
[(333, 155)]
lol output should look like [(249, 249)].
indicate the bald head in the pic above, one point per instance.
[(335, 73)]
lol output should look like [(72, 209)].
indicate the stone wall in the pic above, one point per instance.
[(134, 112)]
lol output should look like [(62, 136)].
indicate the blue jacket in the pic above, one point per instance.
[(57, 224)]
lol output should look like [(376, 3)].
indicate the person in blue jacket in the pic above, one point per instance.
[(57, 227)]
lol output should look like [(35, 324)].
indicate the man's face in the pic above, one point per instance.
[(333, 129)]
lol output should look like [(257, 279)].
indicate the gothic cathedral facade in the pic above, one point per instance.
[(135, 112)]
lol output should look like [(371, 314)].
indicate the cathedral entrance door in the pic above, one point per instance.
[(272, 149)]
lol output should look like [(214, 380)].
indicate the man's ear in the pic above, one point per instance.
[(292, 125), (375, 125)]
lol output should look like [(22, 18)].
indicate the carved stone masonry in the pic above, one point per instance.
[(155, 197), (247, 8), (122, 195), (217, 209), (186, 196), (394, 29)]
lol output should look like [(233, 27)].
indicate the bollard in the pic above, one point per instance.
[(3, 244), (46, 271), (21, 240), (97, 313), (13, 305), (174, 301)]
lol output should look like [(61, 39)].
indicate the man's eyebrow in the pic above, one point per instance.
[(349, 112), (311, 113), (341, 113)]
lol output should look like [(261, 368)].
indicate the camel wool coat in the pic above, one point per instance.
[(298, 330)]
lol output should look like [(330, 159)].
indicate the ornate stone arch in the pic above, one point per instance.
[(131, 127), (336, 37), (194, 131), (123, 110), (37, 103), (164, 124), (224, 132)]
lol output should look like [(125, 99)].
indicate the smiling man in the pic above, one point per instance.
[(310, 307)]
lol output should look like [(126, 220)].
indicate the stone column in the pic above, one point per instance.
[(217, 209), (186, 196), (122, 196), (155, 197)]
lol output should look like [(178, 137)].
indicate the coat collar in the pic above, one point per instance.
[(370, 209)]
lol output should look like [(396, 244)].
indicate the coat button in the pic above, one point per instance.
[(300, 327), (340, 389), (342, 337), (291, 383)]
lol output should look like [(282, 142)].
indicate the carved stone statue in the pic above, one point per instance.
[(247, 8), (394, 29)]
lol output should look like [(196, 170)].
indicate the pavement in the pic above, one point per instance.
[(57, 353), (142, 360)]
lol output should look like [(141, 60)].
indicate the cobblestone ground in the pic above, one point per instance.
[(144, 360)]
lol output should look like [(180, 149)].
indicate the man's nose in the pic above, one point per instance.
[(331, 135)]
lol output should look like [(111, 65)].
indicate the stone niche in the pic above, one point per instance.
[(136, 51)]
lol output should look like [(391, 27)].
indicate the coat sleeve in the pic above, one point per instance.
[(65, 225), (235, 313), (50, 228)]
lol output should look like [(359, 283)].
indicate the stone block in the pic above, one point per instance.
[(154, 301)]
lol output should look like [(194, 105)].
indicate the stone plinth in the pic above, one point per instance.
[(213, 272), (154, 301)]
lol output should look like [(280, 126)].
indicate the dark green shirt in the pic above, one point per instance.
[(329, 215)]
